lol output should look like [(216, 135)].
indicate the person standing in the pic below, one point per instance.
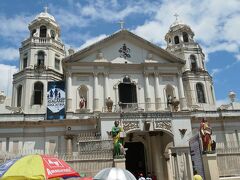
[(196, 176), (141, 177), (149, 177)]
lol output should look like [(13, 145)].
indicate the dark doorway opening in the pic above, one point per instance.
[(127, 94), (135, 158)]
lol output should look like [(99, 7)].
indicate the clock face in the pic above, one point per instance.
[(52, 34)]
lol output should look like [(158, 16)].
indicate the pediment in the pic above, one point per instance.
[(123, 47)]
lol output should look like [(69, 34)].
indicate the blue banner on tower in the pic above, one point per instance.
[(56, 100)]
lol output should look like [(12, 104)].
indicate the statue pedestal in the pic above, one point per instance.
[(119, 163), (210, 166)]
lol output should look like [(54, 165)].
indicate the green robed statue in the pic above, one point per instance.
[(117, 140)]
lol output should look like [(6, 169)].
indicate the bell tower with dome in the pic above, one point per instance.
[(40, 61), (198, 84)]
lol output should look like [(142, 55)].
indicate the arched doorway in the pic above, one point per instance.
[(135, 157), (148, 151)]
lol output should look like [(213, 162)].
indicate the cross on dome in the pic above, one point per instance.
[(46, 9), (176, 15), (121, 22)]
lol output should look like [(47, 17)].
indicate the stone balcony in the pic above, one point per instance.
[(37, 41)]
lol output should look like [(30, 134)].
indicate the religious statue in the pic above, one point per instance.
[(118, 150), (109, 104), (82, 102), (175, 104), (169, 100), (206, 132)]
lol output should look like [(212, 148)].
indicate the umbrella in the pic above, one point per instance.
[(86, 178), (36, 167), (114, 174)]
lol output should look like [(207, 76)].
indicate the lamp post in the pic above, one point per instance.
[(232, 96)]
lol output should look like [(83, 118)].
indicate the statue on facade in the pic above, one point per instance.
[(82, 103), (206, 132), (109, 104), (175, 104), (169, 100), (117, 136)]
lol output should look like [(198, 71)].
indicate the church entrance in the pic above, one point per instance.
[(127, 95), (135, 157)]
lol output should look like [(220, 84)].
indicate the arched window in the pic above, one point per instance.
[(200, 93), (38, 93), (185, 37), (176, 40), (19, 96), (83, 92), (193, 62), (43, 31), (53, 34), (33, 32), (169, 94), (40, 58)]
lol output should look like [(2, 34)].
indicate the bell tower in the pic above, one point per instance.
[(40, 61), (198, 85)]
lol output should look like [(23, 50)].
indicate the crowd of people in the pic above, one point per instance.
[(140, 176)]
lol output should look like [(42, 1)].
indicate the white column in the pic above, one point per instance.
[(69, 144), (95, 92), (106, 92), (157, 89), (157, 157), (170, 166), (147, 98), (183, 102), (69, 94)]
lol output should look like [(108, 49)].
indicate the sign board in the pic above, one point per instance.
[(56, 100), (196, 154)]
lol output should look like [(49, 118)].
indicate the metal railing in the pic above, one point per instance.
[(228, 159), (139, 107)]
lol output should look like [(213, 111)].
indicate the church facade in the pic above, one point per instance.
[(159, 96)]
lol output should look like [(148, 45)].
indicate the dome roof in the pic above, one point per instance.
[(45, 14), (177, 22)]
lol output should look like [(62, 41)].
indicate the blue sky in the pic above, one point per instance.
[(216, 24)]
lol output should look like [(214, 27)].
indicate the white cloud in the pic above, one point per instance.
[(222, 102), (238, 57), (9, 54), (7, 72), (14, 29), (215, 23), (215, 71), (93, 40), (148, 31)]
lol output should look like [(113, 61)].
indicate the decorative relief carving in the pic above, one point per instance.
[(128, 125), (124, 51), (167, 125)]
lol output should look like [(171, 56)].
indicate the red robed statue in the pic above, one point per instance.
[(206, 132)]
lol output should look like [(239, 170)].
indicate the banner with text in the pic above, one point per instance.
[(56, 100)]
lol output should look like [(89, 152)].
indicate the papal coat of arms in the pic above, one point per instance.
[(124, 51)]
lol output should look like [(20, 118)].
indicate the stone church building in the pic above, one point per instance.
[(158, 95)]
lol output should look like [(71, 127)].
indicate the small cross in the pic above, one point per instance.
[(46, 9), (176, 15), (121, 22)]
